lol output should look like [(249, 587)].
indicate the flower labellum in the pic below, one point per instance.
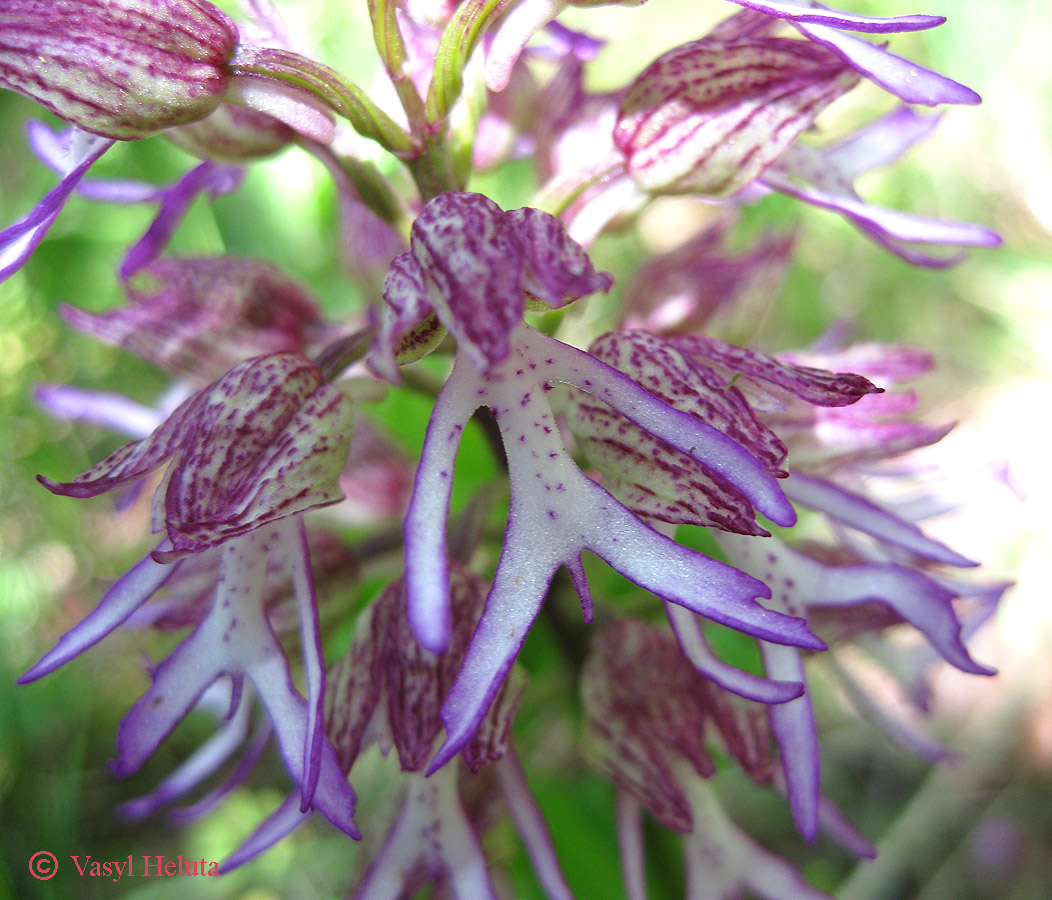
[(123, 69)]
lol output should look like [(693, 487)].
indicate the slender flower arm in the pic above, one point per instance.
[(236, 639), (805, 11), (801, 584), (793, 725), (18, 241), (432, 832), (120, 602), (529, 820), (825, 178), (856, 511), (911, 82), (695, 648), (200, 765)]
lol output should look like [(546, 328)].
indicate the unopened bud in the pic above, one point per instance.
[(120, 68), (232, 134)]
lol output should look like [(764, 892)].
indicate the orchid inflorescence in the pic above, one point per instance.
[(269, 455)]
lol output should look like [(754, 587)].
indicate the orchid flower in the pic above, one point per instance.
[(388, 690), (474, 264), (204, 315), (735, 387), (648, 713), (250, 454), (721, 116)]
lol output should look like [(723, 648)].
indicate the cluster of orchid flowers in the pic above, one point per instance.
[(606, 449)]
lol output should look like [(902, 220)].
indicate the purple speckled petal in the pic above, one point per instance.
[(882, 362), (682, 291), (685, 432), (269, 441), (646, 714), (819, 387), (907, 80), (529, 820), (558, 271), (795, 11), (135, 460), (120, 601), (710, 116), (18, 241), (699, 376), (404, 334), (856, 511), (651, 478), (471, 253), (201, 316), (415, 679), (793, 724)]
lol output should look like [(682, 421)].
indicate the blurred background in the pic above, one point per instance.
[(977, 827)]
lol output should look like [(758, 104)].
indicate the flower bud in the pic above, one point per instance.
[(232, 134), (120, 68)]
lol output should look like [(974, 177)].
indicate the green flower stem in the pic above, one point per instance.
[(391, 47), (329, 87)]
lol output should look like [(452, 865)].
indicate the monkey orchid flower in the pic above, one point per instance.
[(249, 455), (474, 264)]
